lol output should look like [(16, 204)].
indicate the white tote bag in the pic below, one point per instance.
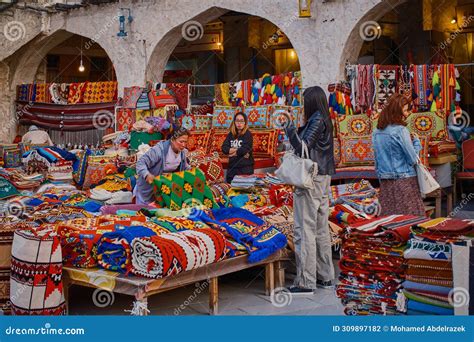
[(426, 181), (298, 171)]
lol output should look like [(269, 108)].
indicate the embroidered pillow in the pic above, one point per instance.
[(431, 124), (216, 140), (203, 122), (264, 143), (259, 116), (354, 125), (211, 166), (131, 96), (198, 140), (182, 190), (194, 155), (357, 151), (125, 119), (223, 116)]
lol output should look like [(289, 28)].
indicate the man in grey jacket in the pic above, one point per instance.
[(165, 157)]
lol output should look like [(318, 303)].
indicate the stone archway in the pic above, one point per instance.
[(364, 26)]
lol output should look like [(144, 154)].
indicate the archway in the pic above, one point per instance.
[(213, 34)]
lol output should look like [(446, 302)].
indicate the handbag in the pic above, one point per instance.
[(298, 171), (426, 181)]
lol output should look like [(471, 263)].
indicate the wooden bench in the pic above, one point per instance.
[(141, 288)]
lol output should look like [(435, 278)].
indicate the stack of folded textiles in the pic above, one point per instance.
[(244, 181), (428, 289), (61, 172), (271, 179), (372, 265), (361, 196)]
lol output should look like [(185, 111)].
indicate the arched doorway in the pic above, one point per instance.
[(63, 59)]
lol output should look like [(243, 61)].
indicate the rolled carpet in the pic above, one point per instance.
[(169, 254), (114, 248)]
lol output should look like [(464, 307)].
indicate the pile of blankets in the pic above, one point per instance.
[(372, 264), (429, 285), (361, 196)]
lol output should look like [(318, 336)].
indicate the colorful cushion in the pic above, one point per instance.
[(143, 101), (12, 158), (160, 98), (41, 90), (357, 151), (203, 122), (264, 143), (96, 172), (259, 116), (216, 140), (183, 189), (429, 123), (131, 96), (223, 116), (211, 166), (337, 152), (198, 140), (354, 125), (125, 119)]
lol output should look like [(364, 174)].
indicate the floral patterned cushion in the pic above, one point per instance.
[(357, 151), (431, 124), (354, 125)]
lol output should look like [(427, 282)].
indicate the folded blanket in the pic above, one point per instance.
[(419, 287), (428, 309), (426, 300), (426, 250), (444, 229), (169, 254), (260, 238), (114, 248)]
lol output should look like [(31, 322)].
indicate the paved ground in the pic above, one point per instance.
[(241, 293)]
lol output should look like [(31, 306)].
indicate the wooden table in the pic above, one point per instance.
[(141, 288), (438, 196)]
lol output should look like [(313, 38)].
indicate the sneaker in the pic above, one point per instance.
[(300, 291), (325, 284)]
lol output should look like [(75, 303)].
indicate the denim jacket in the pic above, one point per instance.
[(395, 153)]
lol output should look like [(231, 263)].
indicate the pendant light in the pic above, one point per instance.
[(81, 65)]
